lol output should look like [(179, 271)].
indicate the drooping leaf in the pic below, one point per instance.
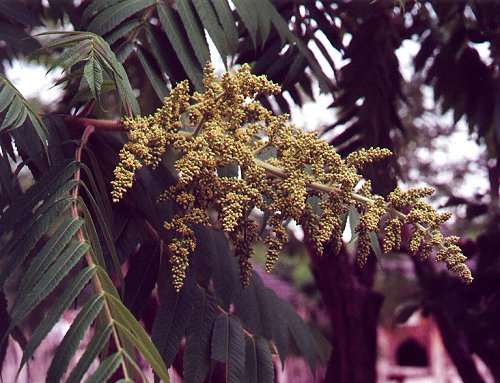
[(157, 48), (135, 333), (16, 11), (95, 7), (41, 190), (228, 346), (258, 361), (249, 13), (72, 55), (177, 35), (279, 326), (283, 29), (224, 269), (15, 109), (208, 17), (18, 107), (73, 337), (194, 30), (375, 244), (7, 94), (16, 37), (106, 232), (154, 77), (122, 30), (83, 46), (254, 308), (48, 253), (141, 277), (197, 351), (55, 273), (226, 18), (96, 344), (28, 239), (353, 216), (106, 368), (172, 320), (57, 309), (304, 338), (112, 16)]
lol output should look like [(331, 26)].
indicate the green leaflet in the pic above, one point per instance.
[(106, 233), (197, 351), (99, 340), (375, 245), (112, 16), (106, 368), (50, 251), (73, 337), (75, 287), (157, 82), (258, 361), (15, 109), (226, 18), (228, 346), (249, 13), (208, 17), (301, 333), (6, 96), (95, 7), (122, 30), (28, 238), (73, 55), (353, 215), (98, 184), (87, 46), (130, 328), (172, 26), (254, 308), (142, 276), (55, 273), (91, 235), (224, 268), (172, 320), (195, 32), (18, 109), (155, 45), (136, 367), (41, 190), (279, 327), (93, 74), (267, 8), (16, 11)]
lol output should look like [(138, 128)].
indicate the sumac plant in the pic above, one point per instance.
[(114, 215)]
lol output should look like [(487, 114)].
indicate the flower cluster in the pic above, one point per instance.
[(276, 168)]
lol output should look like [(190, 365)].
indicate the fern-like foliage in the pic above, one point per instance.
[(99, 60), (43, 208), (16, 110)]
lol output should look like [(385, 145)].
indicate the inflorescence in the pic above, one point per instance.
[(279, 170)]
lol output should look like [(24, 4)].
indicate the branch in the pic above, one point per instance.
[(99, 125)]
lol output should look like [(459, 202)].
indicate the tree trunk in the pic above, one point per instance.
[(353, 308)]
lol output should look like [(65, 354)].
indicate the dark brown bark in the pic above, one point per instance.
[(353, 308)]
